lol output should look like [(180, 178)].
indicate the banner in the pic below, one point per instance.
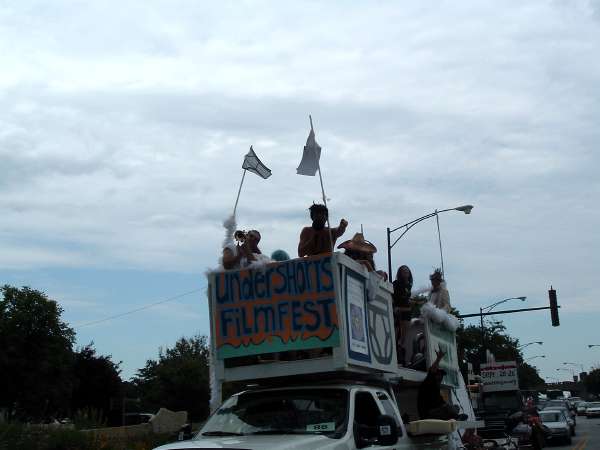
[(280, 307), (440, 337), (499, 376)]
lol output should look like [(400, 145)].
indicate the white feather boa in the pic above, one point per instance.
[(431, 312)]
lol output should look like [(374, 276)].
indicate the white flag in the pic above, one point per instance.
[(310, 156), (253, 164)]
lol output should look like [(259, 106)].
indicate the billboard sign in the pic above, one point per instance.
[(499, 376), (279, 307)]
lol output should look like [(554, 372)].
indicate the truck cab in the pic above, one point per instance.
[(328, 416)]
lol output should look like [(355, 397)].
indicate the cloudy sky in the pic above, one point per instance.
[(123, 127)]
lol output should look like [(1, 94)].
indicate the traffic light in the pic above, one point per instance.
[(553, 307)]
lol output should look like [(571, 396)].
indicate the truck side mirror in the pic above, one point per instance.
[(387, 430)]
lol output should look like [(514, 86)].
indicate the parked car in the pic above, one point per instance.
[(557, 424), (593, 410), (567, 412)]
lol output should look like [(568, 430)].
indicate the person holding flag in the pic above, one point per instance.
[(246, 252), (319, 238)]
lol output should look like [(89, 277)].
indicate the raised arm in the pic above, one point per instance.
[(436, 364)]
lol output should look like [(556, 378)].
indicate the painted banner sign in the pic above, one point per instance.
[(499, 376), (282, 306)]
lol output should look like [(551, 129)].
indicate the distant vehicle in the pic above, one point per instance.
[(581, 406), (557, 423), (558, 403), (593, 410), (567, 413), (554, 393)]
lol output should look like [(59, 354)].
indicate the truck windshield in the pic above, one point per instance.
[(289, 411)]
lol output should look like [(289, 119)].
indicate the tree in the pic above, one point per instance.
[(498, 342), (96, 382), (178, 380), (592, 381), (35, 355)]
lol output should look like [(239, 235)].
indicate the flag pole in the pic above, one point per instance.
[(239, 191), (323, 191)]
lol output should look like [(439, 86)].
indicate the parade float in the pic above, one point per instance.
[(310, 343)]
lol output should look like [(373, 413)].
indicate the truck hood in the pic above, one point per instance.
[(279, 442)]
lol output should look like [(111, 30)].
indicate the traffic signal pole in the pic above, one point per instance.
[(506, 311), (553, 312)]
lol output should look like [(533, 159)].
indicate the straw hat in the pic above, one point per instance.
[(358, 244)]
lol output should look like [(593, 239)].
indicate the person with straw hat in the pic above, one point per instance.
[(362, 251)]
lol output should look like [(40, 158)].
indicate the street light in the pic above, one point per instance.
[(533, 357), (593, 345), (528, 344), (489, 308), (407, 226)]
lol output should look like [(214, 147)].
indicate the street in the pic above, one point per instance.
[(587, 436)]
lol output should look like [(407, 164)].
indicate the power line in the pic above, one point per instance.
[(151, 305)]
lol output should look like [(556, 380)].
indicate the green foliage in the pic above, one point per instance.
[(36, 355), (504, 347), (178, 380), (88, 418), (592, 381), (21, 437), (96, 381)]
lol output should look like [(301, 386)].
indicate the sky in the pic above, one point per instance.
[(123, 127)]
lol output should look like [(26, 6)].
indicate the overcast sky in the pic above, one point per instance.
[(123, 127)]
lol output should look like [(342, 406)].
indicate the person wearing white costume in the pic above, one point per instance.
[(439, 295)]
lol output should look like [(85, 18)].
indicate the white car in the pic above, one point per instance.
[(581, 407), (593, 409), (556, 422), (567, 413)]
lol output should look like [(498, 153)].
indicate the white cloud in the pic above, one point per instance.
[(123, 127)]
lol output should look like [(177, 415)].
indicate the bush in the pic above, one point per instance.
[(87, 418), (25, 437)]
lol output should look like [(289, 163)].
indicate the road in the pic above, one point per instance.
[(587, 436)]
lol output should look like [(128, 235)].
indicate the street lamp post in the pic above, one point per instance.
[(407, 226), (489, 308), (533, 357), (520, 347)]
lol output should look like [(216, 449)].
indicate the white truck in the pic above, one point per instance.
[(313, 341)]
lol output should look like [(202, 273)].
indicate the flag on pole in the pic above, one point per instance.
[(310, 156), (253, 164)]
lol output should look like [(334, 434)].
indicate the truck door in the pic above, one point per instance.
[(366, 411)]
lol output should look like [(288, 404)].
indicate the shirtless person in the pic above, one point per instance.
[(315, 239)]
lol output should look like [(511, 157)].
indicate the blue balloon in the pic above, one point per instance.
[(280, 255)]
